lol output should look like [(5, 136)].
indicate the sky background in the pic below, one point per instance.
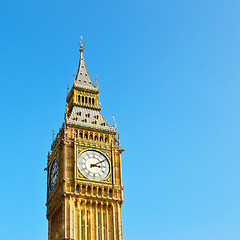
[(168, 69)]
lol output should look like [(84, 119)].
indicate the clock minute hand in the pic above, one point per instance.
[(98, 163)]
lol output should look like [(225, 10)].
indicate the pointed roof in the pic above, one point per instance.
[(82, 78), (87, 117), (86, 112)]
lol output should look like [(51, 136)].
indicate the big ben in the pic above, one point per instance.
[(84, 182)]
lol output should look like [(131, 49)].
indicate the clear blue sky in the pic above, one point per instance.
[(168, 69)]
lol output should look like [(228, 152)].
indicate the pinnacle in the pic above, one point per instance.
[(82, 78)]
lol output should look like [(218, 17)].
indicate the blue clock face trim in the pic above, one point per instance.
[(53, 174)]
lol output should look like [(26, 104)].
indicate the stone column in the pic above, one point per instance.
[(114, 222), (64, 162), (80, 221), (72, 218), (102, 220), (107, 224), (85, 222), (77, 220), (49, 227), (120, 221), (96, 220), (91, 220), (64, 216)]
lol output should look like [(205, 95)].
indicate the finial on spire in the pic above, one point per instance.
[(67, 91), (119, 140), (66, 113), (53, 134), (97, 81), (113, 118), (74, 75), (81, 44)]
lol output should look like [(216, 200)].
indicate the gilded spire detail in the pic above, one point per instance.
[(53, 134), (114, 121), (81, 44), (97, 81), (82, 79)]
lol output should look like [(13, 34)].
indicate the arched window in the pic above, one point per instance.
[(94, 190), (91, 137), (86, 136), (96, 138), (93, 101), (88, 189), (99, 191), (78, 98), (80, 135), (82, 99), (89, 100), (110, 193), (77, 187), (101, 139), (106, 139), (85, 100)]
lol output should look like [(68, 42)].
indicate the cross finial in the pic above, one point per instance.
[(81, 44)]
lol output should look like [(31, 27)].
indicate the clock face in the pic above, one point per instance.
[(53, 174), (93, 165)]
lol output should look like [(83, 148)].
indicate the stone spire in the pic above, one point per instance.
[(82, 79), (83, 102)]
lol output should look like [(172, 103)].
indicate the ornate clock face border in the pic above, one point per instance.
[(107, 153), (53, 176), (53, 157)]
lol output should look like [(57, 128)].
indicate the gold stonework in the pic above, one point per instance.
[(79, 208)]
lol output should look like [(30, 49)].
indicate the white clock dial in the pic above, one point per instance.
[(53, 174), (93, 165)]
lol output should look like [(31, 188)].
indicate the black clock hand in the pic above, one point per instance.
[(96, 165), (100, 162)]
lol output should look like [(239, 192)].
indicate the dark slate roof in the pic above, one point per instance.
[(87, 117), (83, 79)]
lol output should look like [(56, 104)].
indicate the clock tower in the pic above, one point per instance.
[(84, 182)]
